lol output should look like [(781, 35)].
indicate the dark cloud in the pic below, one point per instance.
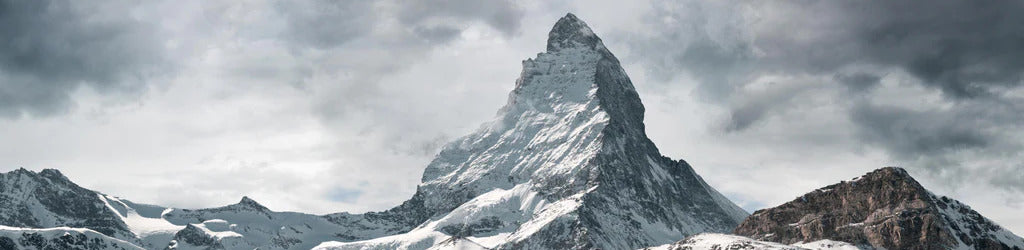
[(880, 61), (858, 82), (962, 48), (504, 16), (326, 24), (913, 134), (960, 142), (1008, 176), (699, 38), (757, 104), (50, 48)]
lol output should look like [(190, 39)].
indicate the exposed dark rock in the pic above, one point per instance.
[(63, 203), (195, 236), (60, 239), (885, 208)]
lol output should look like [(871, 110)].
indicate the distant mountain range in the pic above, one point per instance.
[(566, 164)]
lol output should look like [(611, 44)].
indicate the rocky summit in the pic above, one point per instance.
[(884, 209)]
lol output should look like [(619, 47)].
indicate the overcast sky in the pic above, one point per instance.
[(328, 106)]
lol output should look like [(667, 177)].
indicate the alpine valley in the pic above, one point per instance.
[(566, 164)]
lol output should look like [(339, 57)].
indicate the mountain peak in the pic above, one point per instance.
[(20, 171), (52, 174), (249, 202), (864, 210), (572, 133), (570, 32), (888, 173), (49, 173), (888, 178)]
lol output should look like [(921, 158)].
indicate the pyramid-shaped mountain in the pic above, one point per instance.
[(884, 209), (567, 164)]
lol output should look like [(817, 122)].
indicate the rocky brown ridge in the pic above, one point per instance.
[(885, 208)]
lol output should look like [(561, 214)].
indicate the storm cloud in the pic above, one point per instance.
[(50, 48), (971, 53)]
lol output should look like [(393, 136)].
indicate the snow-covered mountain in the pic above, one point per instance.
[(48, 200), (566, 164), (885, 208)]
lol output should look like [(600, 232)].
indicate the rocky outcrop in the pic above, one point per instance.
[(195, 238), (885, 208), (48, 199)]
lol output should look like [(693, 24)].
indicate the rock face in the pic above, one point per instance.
[(48, 199), (885, 208)]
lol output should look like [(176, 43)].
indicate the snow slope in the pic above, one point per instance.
[(713, 241), (971, 228), (59, 238)]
